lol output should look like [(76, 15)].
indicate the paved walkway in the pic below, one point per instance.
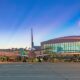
[(40, 71)]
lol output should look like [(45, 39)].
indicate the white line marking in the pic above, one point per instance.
[(30, 76)]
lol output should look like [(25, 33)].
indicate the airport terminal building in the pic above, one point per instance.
[(63, 45)]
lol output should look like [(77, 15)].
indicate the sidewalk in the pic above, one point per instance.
[(9, 62)]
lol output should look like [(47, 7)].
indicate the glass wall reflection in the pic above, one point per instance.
[(64, 47)]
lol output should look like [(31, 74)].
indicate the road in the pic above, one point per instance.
[(40, 71)]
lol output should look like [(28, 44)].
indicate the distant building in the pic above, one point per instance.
[(37, 48), (32, 43), (63, 45)]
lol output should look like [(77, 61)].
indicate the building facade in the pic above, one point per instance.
[(68, 44)]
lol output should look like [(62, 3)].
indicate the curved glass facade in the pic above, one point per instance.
[(64, 47)]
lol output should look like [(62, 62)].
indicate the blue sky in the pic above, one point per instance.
[(48, 18)]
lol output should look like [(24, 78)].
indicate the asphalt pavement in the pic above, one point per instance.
[(40, 71)]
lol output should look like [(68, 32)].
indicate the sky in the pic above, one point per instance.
[(48, 18)]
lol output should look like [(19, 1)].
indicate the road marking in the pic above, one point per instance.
[(30, 76)]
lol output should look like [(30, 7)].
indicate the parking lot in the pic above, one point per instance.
[(40, 71)]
